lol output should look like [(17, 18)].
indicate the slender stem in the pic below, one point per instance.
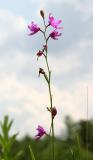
[(87, 126), (51, 104), (50, 92)]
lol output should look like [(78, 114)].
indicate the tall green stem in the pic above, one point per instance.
[(50, 92)]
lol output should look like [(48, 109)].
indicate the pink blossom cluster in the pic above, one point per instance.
[(34, 28)]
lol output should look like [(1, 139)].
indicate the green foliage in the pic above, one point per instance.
[(82, 132), (7, 141), (27, 148), (31, 153)]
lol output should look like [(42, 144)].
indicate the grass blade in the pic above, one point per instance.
[(31, 153)]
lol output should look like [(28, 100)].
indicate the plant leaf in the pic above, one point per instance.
[(31, 153)]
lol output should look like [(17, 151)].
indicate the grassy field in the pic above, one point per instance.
[(77, 146)]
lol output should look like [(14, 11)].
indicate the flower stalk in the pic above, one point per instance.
[(55, 34), (50, 92)]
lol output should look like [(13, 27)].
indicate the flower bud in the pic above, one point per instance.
[(41, 71), (54, 112), (45, 47), (40, 53), (42, 14)]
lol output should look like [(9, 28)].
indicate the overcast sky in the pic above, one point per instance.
[(23, 95)]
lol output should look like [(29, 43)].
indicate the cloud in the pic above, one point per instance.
[(76, 22), (23, 95)]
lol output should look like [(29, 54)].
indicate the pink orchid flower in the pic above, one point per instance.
[(41, 132), (33, 28), (55, 34), (54, 23)]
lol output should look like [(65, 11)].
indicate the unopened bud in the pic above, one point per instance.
[(42, 14), (45, 47), (41, 71), (40, 53), (54, 112)]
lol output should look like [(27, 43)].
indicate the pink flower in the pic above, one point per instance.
[(54, 23), (55, 34), (33, 28), (41, 132)]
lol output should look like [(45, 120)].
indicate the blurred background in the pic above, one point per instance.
[(24, 96)]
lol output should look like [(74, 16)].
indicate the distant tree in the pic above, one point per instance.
[(86, 133)]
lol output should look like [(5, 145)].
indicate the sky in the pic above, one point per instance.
[(24, 96)]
